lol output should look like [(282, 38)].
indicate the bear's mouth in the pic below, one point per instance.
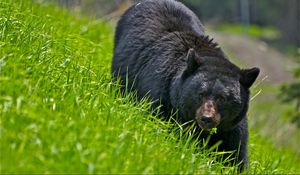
[(206, 124), (207, 116)]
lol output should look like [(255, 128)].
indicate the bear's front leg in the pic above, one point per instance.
[(234, 140), (237, 140)]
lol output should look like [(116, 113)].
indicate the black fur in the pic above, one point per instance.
[(162, 52)]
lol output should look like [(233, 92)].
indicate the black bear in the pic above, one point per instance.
[(162, 52)]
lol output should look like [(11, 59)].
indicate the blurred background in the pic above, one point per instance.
[(265, 34), (275, 21)]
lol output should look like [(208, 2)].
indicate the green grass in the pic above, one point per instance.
[(60, 113), (271, 118)]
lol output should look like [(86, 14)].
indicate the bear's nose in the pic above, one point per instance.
[(206, 119)]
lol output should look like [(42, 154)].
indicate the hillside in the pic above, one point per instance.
[(275, 67), (60, 113)]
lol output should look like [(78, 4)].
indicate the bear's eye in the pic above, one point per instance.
[(221, 99), (201, 94)]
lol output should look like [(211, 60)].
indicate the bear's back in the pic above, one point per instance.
[(149, 20), (142, 27)]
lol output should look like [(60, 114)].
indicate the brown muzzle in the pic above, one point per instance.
[(207, 116)]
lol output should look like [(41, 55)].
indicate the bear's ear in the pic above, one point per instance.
[(192, 64), (248, 76)]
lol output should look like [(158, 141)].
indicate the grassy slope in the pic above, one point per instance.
[(271, 118), (60, 112)]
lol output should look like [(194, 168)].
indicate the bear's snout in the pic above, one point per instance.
[(207, 116)]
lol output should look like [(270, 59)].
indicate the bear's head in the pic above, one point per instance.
[(213, 91)]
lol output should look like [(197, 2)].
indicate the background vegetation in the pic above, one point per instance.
[(60, 113), (282, 16)]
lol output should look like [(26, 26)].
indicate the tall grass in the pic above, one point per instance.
[(60, 112)]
